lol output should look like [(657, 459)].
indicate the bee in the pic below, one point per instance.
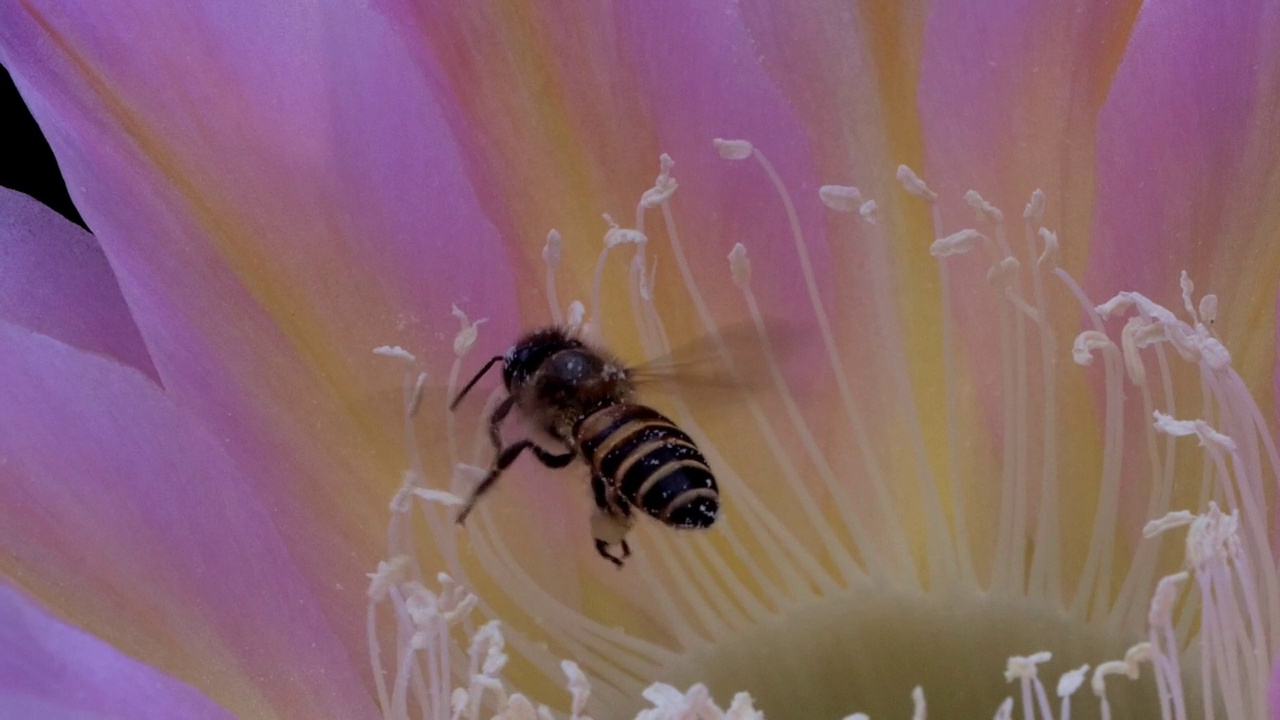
[(585, 399)]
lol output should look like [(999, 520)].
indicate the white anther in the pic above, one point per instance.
[(551, 251), (740, 266), (619, 236), (743, 708), (918, 708), (1004, 273), (1166, 594), (914, 185), (1034, 212), (957, 243), (1213, 538), (857, 716), (420, 640), (487, 649), (1146, 334), (870, 212), (459, 701), (841, 198), (466, 336), (389, 573), (1129, 349), (579, 688), (1049, 257), (983, 209), (1203, 431), (663, 187), (1171, 520), (1071, 681), (415, 399), (577, 311), (517, 707), (1086, 343), (395, 351), (1209, 309), (733, 149), (1112, 667), (1139, 653), (1005, 711), (1024, 668), (1188, 287)]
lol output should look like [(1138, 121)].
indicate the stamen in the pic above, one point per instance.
[(984, 210), (918, 711), (914, 185), (1068, 684), (467, 335), (869, 212), (551, 257), (957, 243), (395, 351), (663, 188), (841, 198), (733, 149)]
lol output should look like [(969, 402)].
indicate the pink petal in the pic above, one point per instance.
[(55, 280), (51, 670), (278, 194), (135, 522), (1187, 152)]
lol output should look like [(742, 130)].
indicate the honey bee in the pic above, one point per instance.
[(585, 398)]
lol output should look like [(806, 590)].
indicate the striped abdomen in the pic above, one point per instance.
[(653, 463)]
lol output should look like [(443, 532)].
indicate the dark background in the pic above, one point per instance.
[(29, 166)]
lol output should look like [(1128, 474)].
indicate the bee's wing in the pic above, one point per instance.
[(734, 360)]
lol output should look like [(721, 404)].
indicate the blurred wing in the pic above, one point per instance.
[(733, 361)]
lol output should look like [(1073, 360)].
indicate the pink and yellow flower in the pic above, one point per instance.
[(201, 462)]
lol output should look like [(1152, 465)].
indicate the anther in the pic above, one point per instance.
[(1071, 681), (663, 187), (733, 149), (957, 243), (1049, 258), (1187, 287), (415, 400), (396, 352), (1209, 309), (1024, 668), (1086, 343), (389, 573), (1034, 211), (620, 236), (983, 209), (577, 311), (914, 185), (466, 336), (740, 266), (551, 251), (1171, 520), (579, 688), (870, 212), (841, 198)]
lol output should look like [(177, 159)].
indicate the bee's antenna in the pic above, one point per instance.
[(473, 382)]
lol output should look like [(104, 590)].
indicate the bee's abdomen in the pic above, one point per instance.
[(655, 464)]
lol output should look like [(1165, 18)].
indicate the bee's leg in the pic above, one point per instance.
[(500, 463), (611, 522), (495, 421), (552, 460), (602, 547)]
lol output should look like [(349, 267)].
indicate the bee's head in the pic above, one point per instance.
[(531, 351)]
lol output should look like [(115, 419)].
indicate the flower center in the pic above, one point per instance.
[(867, 651)]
